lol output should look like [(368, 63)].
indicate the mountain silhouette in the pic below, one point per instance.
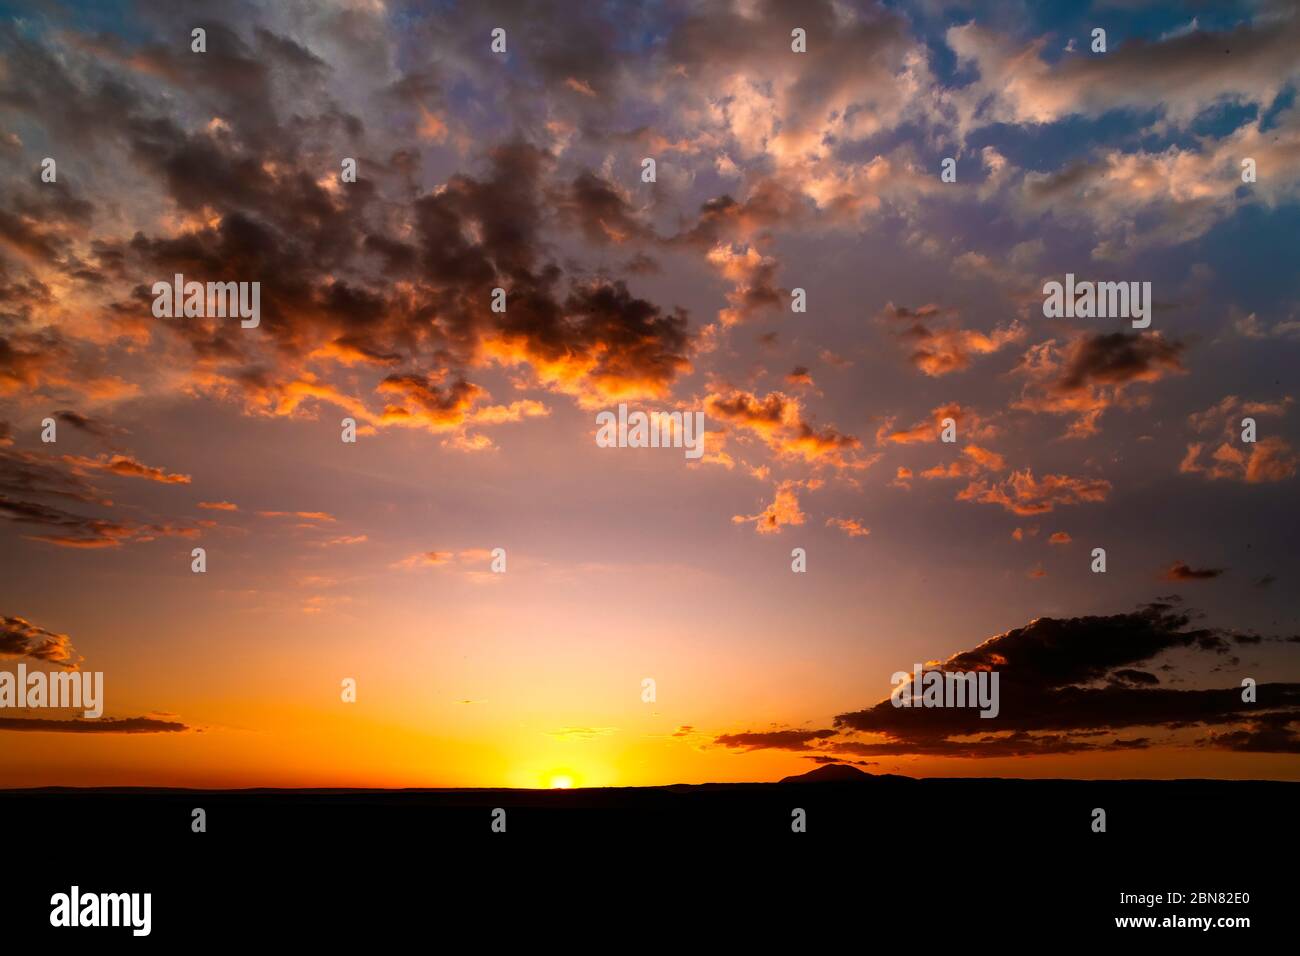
[(831, 773)]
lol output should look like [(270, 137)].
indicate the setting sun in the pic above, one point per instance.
[(561, 782)]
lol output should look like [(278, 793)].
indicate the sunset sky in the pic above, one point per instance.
[(775, 171)]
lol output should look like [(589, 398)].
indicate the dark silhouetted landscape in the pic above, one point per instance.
[(1028, 842)]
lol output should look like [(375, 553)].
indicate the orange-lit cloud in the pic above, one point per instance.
[(1023, 494), (1092, 373), (784, 510), (777, 419), (125, 465), (304, 515), (850, 526), (969, 424), (939, 346), (20, 638), (974, 460)]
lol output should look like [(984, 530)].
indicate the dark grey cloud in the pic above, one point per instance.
[(1067, 686), (101, 725)]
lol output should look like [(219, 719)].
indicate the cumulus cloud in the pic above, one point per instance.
[(783, 510), (973, 460), (777, 419), (1267, 459), (1179, 75), (1090, 374), (969, 423), (938, 345)]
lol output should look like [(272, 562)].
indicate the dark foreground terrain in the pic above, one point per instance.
[(1002, 857)]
